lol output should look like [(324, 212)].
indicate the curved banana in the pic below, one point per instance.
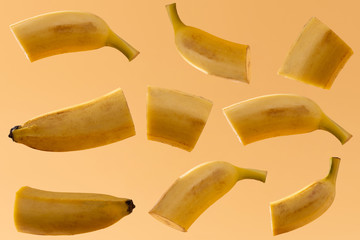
[(306, 205), (317, 56), (175, 117), (101, 121), (279, 115), (192, 193), (208, 53), (67, 31), (62, 213)]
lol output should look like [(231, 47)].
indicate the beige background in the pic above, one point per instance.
[(143, 170)]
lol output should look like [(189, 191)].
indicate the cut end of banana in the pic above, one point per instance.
[(317, 56), (167, 222), (176, 118)]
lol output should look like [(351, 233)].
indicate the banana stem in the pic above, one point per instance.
[(246, 173), (174, 16), (116, 42), (334, 168), (334, 128)]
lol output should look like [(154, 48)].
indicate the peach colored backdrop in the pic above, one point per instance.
[(143, 170)]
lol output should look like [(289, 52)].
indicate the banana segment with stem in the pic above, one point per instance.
[(306, 205), (67, 31), (66, 213), (208, 53), (317, 56), (176, 118), (98, 122), (279, 115), (195, 191)]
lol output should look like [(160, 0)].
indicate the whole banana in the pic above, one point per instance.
[(279, 115), (63, 213), (101, 121), (175, 117), (306, 205), (192, 193), (208, 53), (317, 56), (67, 31)]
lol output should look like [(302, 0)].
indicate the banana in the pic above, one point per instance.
[(317, 56), (98, 122), (176, 118), (306, 205), (63, 213), (279, 115), (195, 191), (66, 31), (208, 53)]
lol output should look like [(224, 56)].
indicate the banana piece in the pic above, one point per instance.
[(192, 193), (98, 122), (306, 205), (67, 31), (176, 118), (62, 213), (317, 56), (279, 115), (208, 53)]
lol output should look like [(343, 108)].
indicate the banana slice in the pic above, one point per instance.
[(176, 118), (196, 190), (306, 205), (63, 213), (279, 115), (67, 31), (208, 53), (317, 56), (101, 121)]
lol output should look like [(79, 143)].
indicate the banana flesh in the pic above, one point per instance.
[(62, 213), (67, 31), (192, 193), (317, 56), (176, 118), (208, 53), (279, 115), (306, 205), (98, 122)]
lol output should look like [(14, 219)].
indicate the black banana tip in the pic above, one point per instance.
[(11, 135), (131, 205)]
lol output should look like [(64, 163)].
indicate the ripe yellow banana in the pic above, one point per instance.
[(279, 115), (176, 118), (192, 193), (306, 205), (317, 56), (208, 53), (63, 213), (67, 31), (101, 121)]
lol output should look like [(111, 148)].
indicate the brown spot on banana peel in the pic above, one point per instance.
[(69, 28), (299, 110), (192, 43), (11, 135)]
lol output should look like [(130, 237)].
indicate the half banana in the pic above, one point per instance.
[(317, 56), (101, 121), (195, 191), (67, 31), (176, 118), (279, 115), (63, 213), (208, 53), (306, 205)]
